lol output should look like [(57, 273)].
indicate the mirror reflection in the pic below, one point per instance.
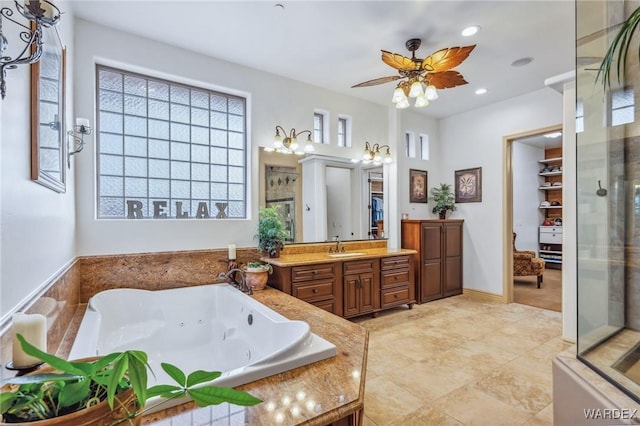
[(323, 198)]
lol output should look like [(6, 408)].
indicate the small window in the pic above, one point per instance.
[(344, 131), (424, 146), (410, 144), (622, 107), (579, 116), (321, 126)]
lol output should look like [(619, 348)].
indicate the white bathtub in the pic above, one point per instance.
[(211, 327)]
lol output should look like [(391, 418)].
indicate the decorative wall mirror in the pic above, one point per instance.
[(48, 150)]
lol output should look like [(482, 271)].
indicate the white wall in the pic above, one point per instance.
[(36, 223), (475, 139), (526, 195), (417, 123), (273, 100), (338, 200)]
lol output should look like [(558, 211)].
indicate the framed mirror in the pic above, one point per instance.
[(48, 150)]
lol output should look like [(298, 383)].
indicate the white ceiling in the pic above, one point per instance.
[(336, 44)]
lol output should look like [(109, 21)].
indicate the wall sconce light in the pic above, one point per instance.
[(77, 136), (373, 155), (44, 14), (289, 144)]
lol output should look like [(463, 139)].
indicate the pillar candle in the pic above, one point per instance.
[(232, 251), (34, 329)]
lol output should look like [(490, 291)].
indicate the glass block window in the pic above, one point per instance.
[(318, 127), (166, 149)]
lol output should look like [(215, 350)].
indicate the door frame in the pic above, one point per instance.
[(507, 205)]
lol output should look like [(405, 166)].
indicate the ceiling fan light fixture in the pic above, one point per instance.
[(431, 93), (403, 104), (416, 89), (421, 101), (398, 95)]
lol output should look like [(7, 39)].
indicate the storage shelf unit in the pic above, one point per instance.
[(376, 203), (550, 183)]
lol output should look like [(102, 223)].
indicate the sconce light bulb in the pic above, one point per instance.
[(293, 145), (308, 146), (387, 157)]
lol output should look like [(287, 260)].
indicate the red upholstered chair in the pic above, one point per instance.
[(526, 263)]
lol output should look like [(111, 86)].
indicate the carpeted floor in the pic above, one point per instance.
[(548, 296)]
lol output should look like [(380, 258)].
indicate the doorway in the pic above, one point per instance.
[(535, 204)]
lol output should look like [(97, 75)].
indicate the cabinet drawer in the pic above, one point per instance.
[(327, 305), (314, 291), (394, 262), (395, 296), (312, 272), (550, 230), (395, 277), (551, 238), (358, 266)]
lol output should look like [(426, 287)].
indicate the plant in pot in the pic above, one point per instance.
[(443, 199), (271, 231), (620, 44), (257, 274), (107, 390)]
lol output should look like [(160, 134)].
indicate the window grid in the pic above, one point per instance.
[(318, 128), (342, 132), (622, 107), (177, 131)]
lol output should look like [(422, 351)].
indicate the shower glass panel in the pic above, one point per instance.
[(608, 200)]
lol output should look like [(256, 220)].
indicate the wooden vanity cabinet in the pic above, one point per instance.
[(396, 282), (438, 263), (361, 287), (316, 284)]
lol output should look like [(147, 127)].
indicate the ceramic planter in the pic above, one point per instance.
[(257, 278)]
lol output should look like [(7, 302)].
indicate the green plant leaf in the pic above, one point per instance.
[(165, 391), (212, 395), (6, 401), (138, 376), (120, 366), (175, 373), (52, 360), (201, 376), (104, 361), (73, 393), (43, 377)]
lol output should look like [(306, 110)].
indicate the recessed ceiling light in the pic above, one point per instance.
[(553, 135), (481, 91), (471, 30), (522, 62), (279, 6)]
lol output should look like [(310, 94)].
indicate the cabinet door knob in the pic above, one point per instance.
[(315, 290), (395, 295)]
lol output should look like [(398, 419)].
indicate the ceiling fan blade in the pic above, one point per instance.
[(445, 79), (376, 81), (447, 58), (399, 62)]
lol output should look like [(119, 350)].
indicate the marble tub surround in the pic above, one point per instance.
[(58, 303), (156, 271), (323, 392)]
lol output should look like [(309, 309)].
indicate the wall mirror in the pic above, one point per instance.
[(321, 197), (48, 150)]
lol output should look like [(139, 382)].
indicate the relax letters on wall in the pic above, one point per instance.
[(160, 209)]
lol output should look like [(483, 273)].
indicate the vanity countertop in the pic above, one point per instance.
[(297, 259)]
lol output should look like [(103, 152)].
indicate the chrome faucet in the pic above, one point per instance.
[(338, 249), (231, 277)]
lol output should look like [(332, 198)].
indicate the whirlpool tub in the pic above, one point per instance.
[(211, 327)]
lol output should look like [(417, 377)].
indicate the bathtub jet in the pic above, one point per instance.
[(211, 327)]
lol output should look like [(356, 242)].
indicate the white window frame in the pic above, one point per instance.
[(424, 146), (325, 125), (410, 144)]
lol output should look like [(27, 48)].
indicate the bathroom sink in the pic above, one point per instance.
[(347, 254)]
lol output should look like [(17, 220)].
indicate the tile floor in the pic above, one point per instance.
[(459, 362)]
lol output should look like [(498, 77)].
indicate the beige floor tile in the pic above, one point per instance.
[(472, 406), (424, 416), (533, 369), (385, 401), (543, 418), (518, 344), (382, 361), (366, 421), (485, 353), (516, 391)]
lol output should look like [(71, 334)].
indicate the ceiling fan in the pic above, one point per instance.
[(433, 72)]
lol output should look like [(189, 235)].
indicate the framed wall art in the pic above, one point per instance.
[(417, 186), (468, 184)]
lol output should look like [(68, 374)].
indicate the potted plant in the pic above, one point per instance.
[(443, 199), (271, 231), (257, 274), (109, 390), (621, 43)]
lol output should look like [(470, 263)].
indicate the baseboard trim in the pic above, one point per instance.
[(484, 296)]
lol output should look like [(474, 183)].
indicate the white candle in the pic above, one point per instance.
[(232, 251), (34, 329)]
